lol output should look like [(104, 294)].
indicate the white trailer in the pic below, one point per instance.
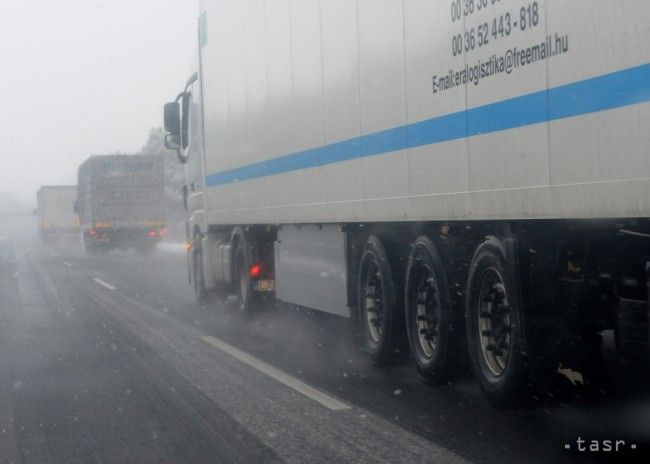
[(55, 211), (443, 170)]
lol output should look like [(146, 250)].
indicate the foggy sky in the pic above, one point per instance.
[(83, 77)]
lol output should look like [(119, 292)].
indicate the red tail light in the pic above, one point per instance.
[(157, 233), (255, 271)]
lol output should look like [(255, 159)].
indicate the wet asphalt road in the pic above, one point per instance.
[(109, 359)]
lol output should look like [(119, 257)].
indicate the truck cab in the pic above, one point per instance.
[(183, 121)]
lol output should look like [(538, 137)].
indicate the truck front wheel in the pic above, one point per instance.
[(379, 310), (198, 277), (495, 327)]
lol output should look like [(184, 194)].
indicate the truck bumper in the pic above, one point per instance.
[(124, 237)]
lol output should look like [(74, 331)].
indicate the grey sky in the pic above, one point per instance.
[(83, 77)]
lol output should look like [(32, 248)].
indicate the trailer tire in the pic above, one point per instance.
[(428, 311), (379, 314), (243, 282), (92, 248), (631, 331), (495, 327), (198, 276)]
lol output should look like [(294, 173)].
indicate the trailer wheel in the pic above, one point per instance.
[(379, 313), (632, 331), (495, 332), (198, 276), (90, 246), (428, 311), (243, 281)]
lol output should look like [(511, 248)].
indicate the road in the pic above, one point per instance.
[(110, 359)]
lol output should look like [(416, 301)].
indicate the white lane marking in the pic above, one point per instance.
[(282, 377), (67, 263), (104, 284)]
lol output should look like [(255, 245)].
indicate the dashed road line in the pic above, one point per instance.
[(282, 377), (67, 263), (104, 284)]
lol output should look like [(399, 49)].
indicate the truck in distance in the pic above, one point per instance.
[(55, 211), (120, 202), (476, 180)]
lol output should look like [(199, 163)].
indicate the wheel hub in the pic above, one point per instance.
[(427, 313), (374, 302), (494, 322), (243, 280)]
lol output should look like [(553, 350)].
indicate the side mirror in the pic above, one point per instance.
[(172, 142), (172, 123)]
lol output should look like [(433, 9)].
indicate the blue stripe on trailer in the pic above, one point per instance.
[(623, 88)]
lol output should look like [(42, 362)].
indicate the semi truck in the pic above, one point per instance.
[(471, 176), (120, 202), (56, 217)]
